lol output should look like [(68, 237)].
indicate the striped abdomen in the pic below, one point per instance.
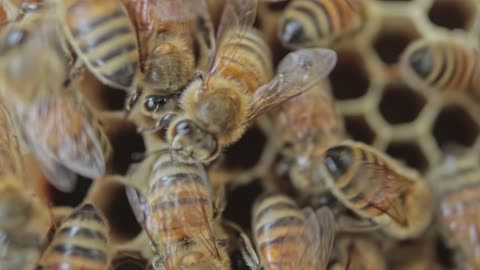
[(441, 65), (246, 59), (309, 23), (353, 178), (279, 231), (104, 37), (179, 199), (81, 242)]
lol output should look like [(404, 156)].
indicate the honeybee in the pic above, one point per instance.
[(103, 37), (312, 23), (218, 107), (166, 30), (58, 124), (457, 186), (377, 189), (24, 222), (308, 124), (81, 242), (442, 65), (356, 253), (174, 203), (287, 237)]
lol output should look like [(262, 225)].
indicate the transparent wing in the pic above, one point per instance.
[(62, 128), (19, 251), (386, 189), (10, 155), (320, 226), (237, 16), (188, 212), (298, 72)]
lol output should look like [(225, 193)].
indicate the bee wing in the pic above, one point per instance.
[(185, 209), (321, 227), (10, 155), (297, 73), (19, 251), (239, 15), (386, 189), (139, 206), (63, 128)]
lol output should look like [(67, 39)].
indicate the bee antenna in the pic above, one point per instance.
[(138, 156)]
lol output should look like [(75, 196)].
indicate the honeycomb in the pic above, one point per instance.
[(410, 124)]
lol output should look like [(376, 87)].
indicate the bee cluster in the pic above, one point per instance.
[(239, 134)]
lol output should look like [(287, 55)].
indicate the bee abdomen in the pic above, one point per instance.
[(278, 228), (105, 36), (80, 243), (318, 21), (443, 65), (251, 63)]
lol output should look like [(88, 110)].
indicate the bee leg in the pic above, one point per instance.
[(219, 202), (75, 71), (351, 224)]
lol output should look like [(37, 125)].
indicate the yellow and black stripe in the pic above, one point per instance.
[(177, 191), (103, 35), (81, 242), (441, 65), (279, 230), (246, 58), (310, 23)]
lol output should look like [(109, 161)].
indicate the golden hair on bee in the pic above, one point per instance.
[(59, 126), (315, 23), (308, 123), (288, 237), (218, 107), (167, 31), (81, 242), (457, 190), (358, 253), (174, 203), (24, 219), (378, 189), (446, 65)]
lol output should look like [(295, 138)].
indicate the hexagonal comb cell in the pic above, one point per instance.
[(245, 153), (454, 125), (400, 104), (393, 38), (240, 202), (409, 153), (74, 198), (458, 14), (127, 261), (125, 142), (358, 128), (116, 208), (350, 65)]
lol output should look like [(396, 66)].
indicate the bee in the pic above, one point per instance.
[(441, 65), (81, 242), (218, 106), (308, 123), (457, 186), (313, 23), (287, 237), (58, 125), (24, 222), (103, 37), (357, 253), (174, 203), (377, 189), (165, 30)]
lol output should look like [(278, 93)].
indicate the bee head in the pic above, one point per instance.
[(338, 160), (189, 142)]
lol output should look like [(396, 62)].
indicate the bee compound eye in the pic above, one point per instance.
[(184, 127), (154, 103)]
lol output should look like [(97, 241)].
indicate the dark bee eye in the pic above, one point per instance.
[(132, 100), (184, 127), (154, 103), (338, 160)]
